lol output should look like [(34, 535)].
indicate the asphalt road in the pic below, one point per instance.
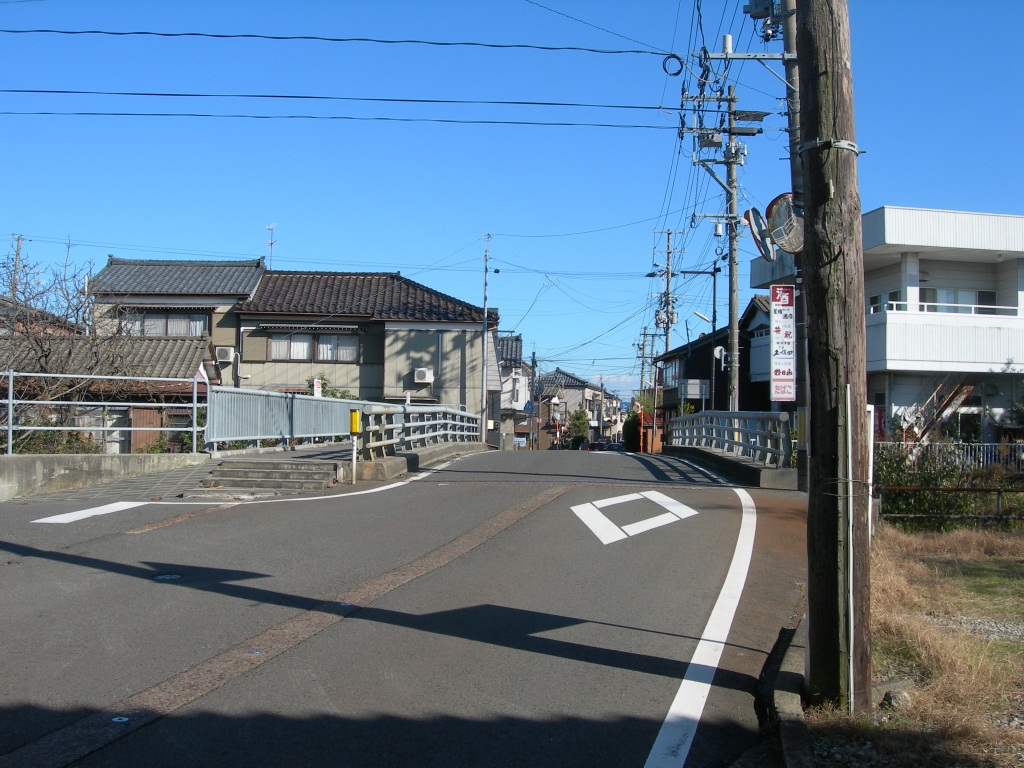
[(554, 608)]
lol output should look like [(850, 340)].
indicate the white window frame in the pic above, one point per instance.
[(318, 347), (154, 322)]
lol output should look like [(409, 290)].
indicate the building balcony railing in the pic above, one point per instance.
[(964, 338), (952, 309)]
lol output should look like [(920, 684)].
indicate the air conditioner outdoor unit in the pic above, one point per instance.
[(224, 354), (424, 376)]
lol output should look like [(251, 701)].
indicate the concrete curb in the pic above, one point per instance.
[(402, 463), (35, 474), (787, 702), (740, 469)]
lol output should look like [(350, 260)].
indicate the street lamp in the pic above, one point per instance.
[(711, 322)]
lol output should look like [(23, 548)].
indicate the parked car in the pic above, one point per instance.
[(615, 447)]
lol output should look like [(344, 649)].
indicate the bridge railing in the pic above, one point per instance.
[(390, 427), (763, 437), (217, 417), (244, 415)]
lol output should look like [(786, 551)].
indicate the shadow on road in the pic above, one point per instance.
[(217, 740)]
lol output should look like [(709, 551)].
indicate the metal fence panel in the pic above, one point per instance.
[(249, 414)]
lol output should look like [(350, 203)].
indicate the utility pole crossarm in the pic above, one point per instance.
[(749, 56)]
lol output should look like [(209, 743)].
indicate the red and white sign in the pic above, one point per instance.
[(783, 341)]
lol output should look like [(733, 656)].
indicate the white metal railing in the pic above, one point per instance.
[(965, 455), (761, 436), (388, 427), (231, 415), (90, 416), (954, 309)]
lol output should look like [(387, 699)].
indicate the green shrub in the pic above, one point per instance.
[(907, 465)]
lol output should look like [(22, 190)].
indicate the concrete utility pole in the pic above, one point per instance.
[(666, 316), (483, 383), (534, 413), (18, 240), (733, 156), (838, 575), (642, 346)]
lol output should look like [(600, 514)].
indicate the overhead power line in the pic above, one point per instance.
[(43, 113), (320, 39), (307, 97)]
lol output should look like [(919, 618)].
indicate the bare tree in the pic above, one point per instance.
[(46, 328)]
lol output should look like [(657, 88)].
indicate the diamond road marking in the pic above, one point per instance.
[(607, 531)]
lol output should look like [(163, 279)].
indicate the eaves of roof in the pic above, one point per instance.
[(139, 356)]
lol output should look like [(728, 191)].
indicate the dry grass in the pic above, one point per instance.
[(963, 687)]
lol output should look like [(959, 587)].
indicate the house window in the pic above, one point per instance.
[(883, 302), (987, 302), (961, 300), (165, 323), (337, 348), (671, 377), (329, 347)]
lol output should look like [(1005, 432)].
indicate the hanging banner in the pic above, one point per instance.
[(783, 341)]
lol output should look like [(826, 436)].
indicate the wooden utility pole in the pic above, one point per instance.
[(838, 602)]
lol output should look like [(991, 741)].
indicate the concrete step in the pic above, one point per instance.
[(277, 483), (277, 464), (323, 475), (267, 477)]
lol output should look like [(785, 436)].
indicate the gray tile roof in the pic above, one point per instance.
[(560, 378), (510, 351), (372, 295), (132, 277), (151, 356)]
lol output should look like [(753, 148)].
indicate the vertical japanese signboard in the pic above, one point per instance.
[(783, 341)]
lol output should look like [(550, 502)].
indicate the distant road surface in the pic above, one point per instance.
[(548, 608)]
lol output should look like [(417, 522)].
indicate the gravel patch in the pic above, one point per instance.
[(989, 629)]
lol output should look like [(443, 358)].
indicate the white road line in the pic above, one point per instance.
[(82, 514), (677, 508), (617, 500), (675, 738), (601, 526), (106, 509), (650, 523)]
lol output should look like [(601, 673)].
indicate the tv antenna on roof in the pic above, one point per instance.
[(270, 260)]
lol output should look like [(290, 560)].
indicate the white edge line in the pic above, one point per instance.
[(70, 517), (672, 745), (706, 472), (82, 514), (399, 484)]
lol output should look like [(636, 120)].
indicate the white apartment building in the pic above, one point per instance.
[(944, 296)]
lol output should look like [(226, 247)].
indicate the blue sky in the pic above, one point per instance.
[(573, 211)]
